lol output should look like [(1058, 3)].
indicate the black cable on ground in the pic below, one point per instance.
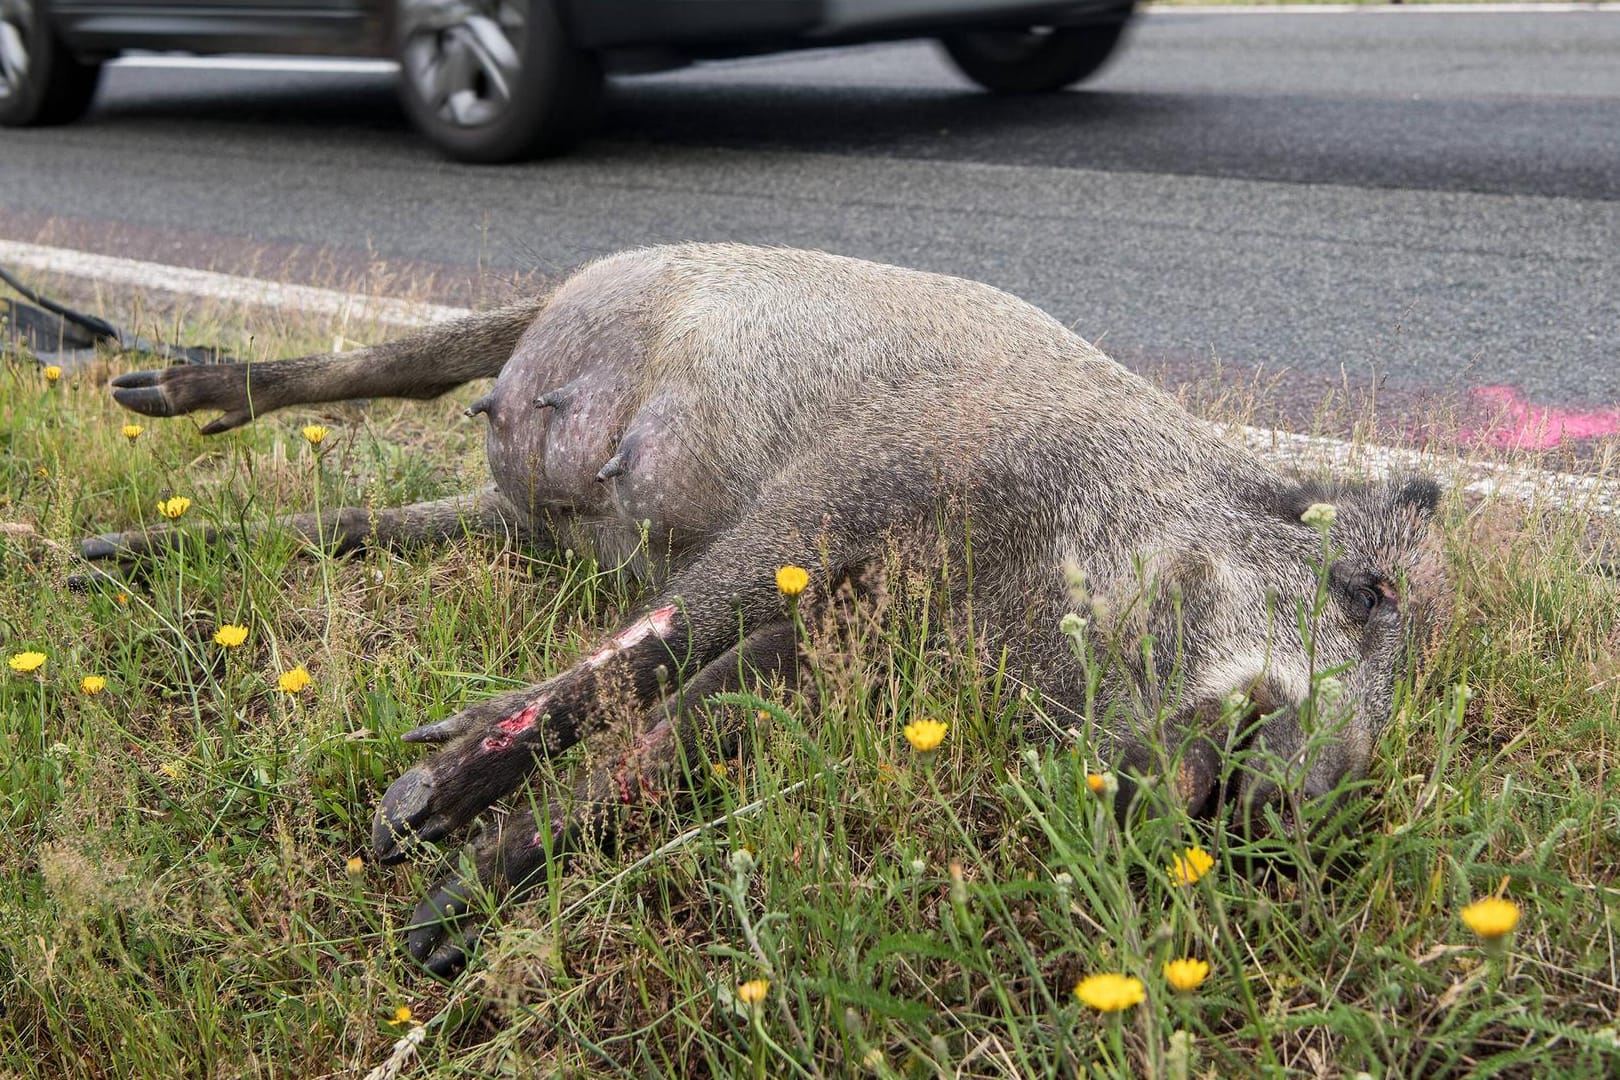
[(98, 327), (104, 332)]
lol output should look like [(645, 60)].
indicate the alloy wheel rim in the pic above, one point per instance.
[(16, 26), (463, 58)]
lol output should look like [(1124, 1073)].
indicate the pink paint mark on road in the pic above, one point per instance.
[(522, 720), (1516, 424)]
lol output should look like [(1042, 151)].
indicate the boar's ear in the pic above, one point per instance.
[(1421, 493), (1294, 497)]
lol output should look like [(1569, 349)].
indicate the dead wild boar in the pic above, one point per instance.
[(709, 413)]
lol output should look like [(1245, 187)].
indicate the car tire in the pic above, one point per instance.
[(1034, 61), (41, 82), (495, 81)]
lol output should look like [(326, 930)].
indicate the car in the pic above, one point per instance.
[(503, 80)]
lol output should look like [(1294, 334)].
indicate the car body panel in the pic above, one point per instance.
[(693, 28)]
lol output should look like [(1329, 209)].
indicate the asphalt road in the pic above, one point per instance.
[(1425, 203)]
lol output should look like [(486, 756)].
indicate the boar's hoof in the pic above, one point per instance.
[(405, 816), (103, 547), (442, 731), (441, 934), (143, 392)]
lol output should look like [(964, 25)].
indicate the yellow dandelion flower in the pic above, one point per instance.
[(792, 580), (753, 991), (314, 434), (1096, 782), (92, 684), (925, 735), (133, 431), (1190, 865), (294, 681), (1186, 974), (1108, 992), (24, 662), (1491, 917), (174, 770), (355, 866), (173, 508), (121, 599), (403, 1016), (52, 373), (719, 770), (230, 636)]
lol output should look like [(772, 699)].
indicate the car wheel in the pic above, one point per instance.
[(1036, 60), (495, 81), (40, 81)]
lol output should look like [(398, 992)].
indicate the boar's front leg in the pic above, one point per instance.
[(492, 747), (511, 854)]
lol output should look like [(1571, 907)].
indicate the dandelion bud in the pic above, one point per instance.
[(1073, 625), (1075, 578), (1328, 692), (1178, 1059), (742, 862), (1320, 516)]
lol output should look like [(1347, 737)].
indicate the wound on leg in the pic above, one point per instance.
[(657, 623)]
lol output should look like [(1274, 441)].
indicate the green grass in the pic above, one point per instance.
[(175, 898)]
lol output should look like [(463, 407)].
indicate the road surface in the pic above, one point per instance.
[(1425, 206)]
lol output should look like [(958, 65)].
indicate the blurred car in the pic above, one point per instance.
[(500, 80)]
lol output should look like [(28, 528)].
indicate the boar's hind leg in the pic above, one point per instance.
[(423, 365), (342, 530), (512, 852)]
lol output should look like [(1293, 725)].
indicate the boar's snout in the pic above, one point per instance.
[(1270, 767), (1281, 769)]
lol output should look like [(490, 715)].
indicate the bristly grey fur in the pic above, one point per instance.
[(716, 411)]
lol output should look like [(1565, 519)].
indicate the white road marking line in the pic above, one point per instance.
[(242, 290), (1599, 494), (1314, 453)]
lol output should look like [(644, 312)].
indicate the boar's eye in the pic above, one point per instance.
[(1367, 595)]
